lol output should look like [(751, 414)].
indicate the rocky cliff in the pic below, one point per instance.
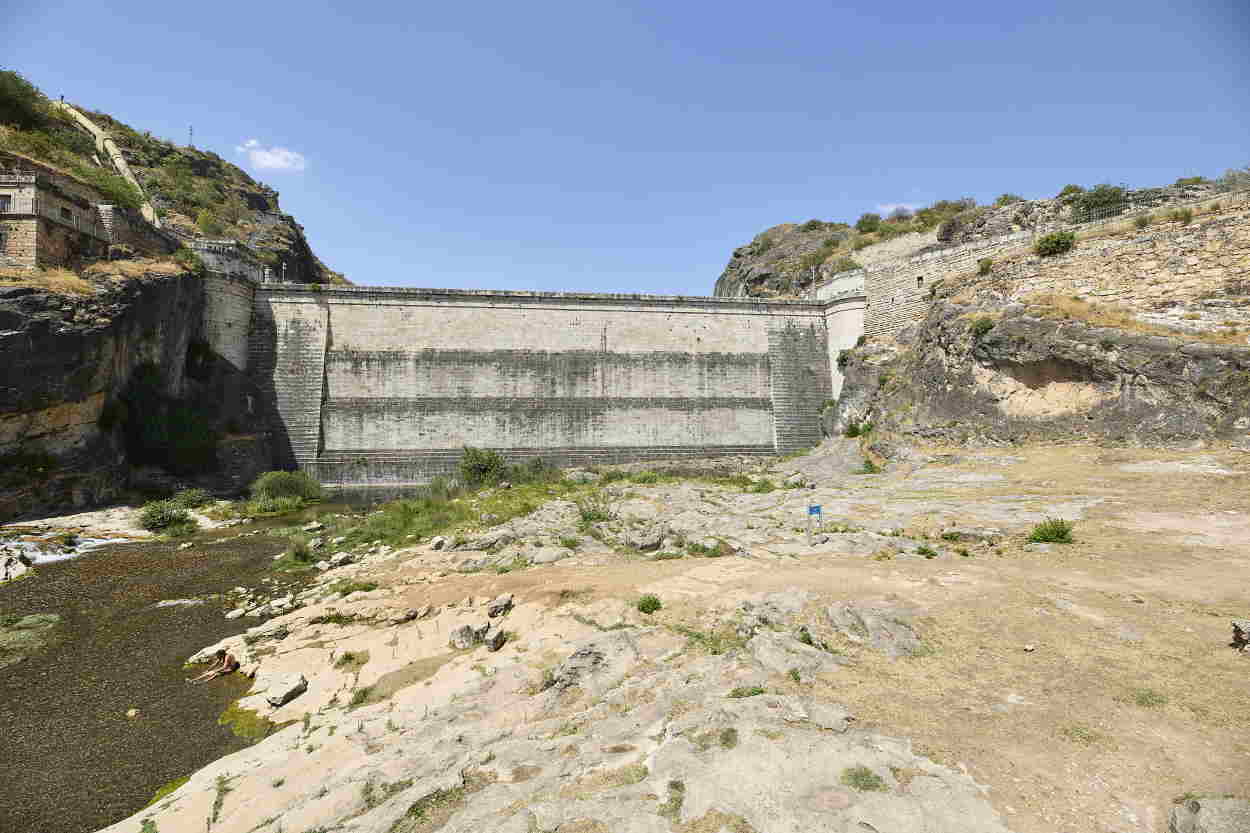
[(93, 385), (996, 371)]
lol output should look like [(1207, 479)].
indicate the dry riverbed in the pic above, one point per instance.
[(918, 666)]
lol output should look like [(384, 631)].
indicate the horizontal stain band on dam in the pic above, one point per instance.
[(533, 404)]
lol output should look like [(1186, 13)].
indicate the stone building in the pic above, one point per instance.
[(49, 219)]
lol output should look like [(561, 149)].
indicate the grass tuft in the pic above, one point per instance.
[(863, 779), (1052, 531)]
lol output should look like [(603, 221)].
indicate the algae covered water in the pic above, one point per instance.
[(72, 761)]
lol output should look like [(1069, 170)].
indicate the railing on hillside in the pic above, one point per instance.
[(79, 219)]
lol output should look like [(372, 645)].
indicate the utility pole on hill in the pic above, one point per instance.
[(190, 135)]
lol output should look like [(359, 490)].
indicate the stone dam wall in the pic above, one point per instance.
[(375, 386)]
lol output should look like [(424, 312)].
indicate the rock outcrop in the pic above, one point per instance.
[(1009, 372), (67, 433)]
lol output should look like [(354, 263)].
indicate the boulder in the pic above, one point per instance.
[(284, 688), (404, 616), (316, 543), (438, 542), (464, 637), (1241, 634), (341, 559), (500, 606), (580, 476), (884, 627), (315, 526), (236, 613), (645, 539), (1210, 815), (548, 555), (496, 641), (796, 481)]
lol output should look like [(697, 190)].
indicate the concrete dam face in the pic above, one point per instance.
[(372, 386)]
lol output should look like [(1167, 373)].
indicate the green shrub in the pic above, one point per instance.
[(1008, 199), (852, 430), (1098, 203), (980, 327), (481, 467), (161, 514), (1181, 215), (761, 487), (21, 103), (594, 509), (844, 358), (1069, 192), (742, 692), (191, 498), (1055, 243), (984, 265), (1052, 531), (273, 505), (206, 221), (813, 225), (649, 604), (286, 484), (1143, 221), (645, 478), (869, 467), (719, 550), (863, 779), (1191, 180), (868, 223), (191, 261), (927, 551), (845, 264)]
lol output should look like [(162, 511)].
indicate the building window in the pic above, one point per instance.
[(6, 203), (67, 215)]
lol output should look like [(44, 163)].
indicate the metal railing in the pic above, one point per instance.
[(82, 220)]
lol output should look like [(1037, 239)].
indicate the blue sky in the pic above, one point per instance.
[(631, 146)]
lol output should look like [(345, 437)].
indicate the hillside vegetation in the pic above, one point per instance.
[(196, 193), (788, 260)]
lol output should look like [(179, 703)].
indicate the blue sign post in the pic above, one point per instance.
[(813, 511)]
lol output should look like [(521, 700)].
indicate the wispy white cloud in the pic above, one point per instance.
[(271, 158), (885, 208)]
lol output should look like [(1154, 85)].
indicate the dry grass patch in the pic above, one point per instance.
[(610, 779), (60, 281), (1059, 307), (137, 268), (431, 812)]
